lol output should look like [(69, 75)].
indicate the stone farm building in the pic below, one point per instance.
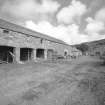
[(20, 44)]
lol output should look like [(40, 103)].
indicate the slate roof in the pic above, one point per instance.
[(16, 28)]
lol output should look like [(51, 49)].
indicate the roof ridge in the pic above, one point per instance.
[(18, 28)]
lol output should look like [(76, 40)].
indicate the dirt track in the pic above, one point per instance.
[(80, 82)]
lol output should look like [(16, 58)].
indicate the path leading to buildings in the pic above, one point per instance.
[(78, 82)]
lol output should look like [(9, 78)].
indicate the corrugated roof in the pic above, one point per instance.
[(13, 27)]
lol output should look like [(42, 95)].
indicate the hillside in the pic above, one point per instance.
[(96, 43), (94, 47)]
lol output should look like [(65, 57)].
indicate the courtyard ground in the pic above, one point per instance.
[(77, 82)]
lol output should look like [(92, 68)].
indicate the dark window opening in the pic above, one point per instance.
[(40, 53), (26, 54), (97, 53), (6, 31), (6, 54)]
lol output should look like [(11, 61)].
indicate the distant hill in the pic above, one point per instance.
[(94, 47), (96, 43), (93, 43)]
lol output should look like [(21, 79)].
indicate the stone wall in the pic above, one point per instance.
[(19, 40), (97, 50)]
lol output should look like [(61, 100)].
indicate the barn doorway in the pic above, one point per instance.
[(26, 54), (40, 53), (50, 54), (6, 54)]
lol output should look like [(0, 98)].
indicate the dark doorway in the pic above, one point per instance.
[(6, 54), (40, 53), (26, 54)]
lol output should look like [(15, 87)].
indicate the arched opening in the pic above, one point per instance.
[(65, 53)]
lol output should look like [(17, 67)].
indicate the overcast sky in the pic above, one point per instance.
[(73, 21)]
